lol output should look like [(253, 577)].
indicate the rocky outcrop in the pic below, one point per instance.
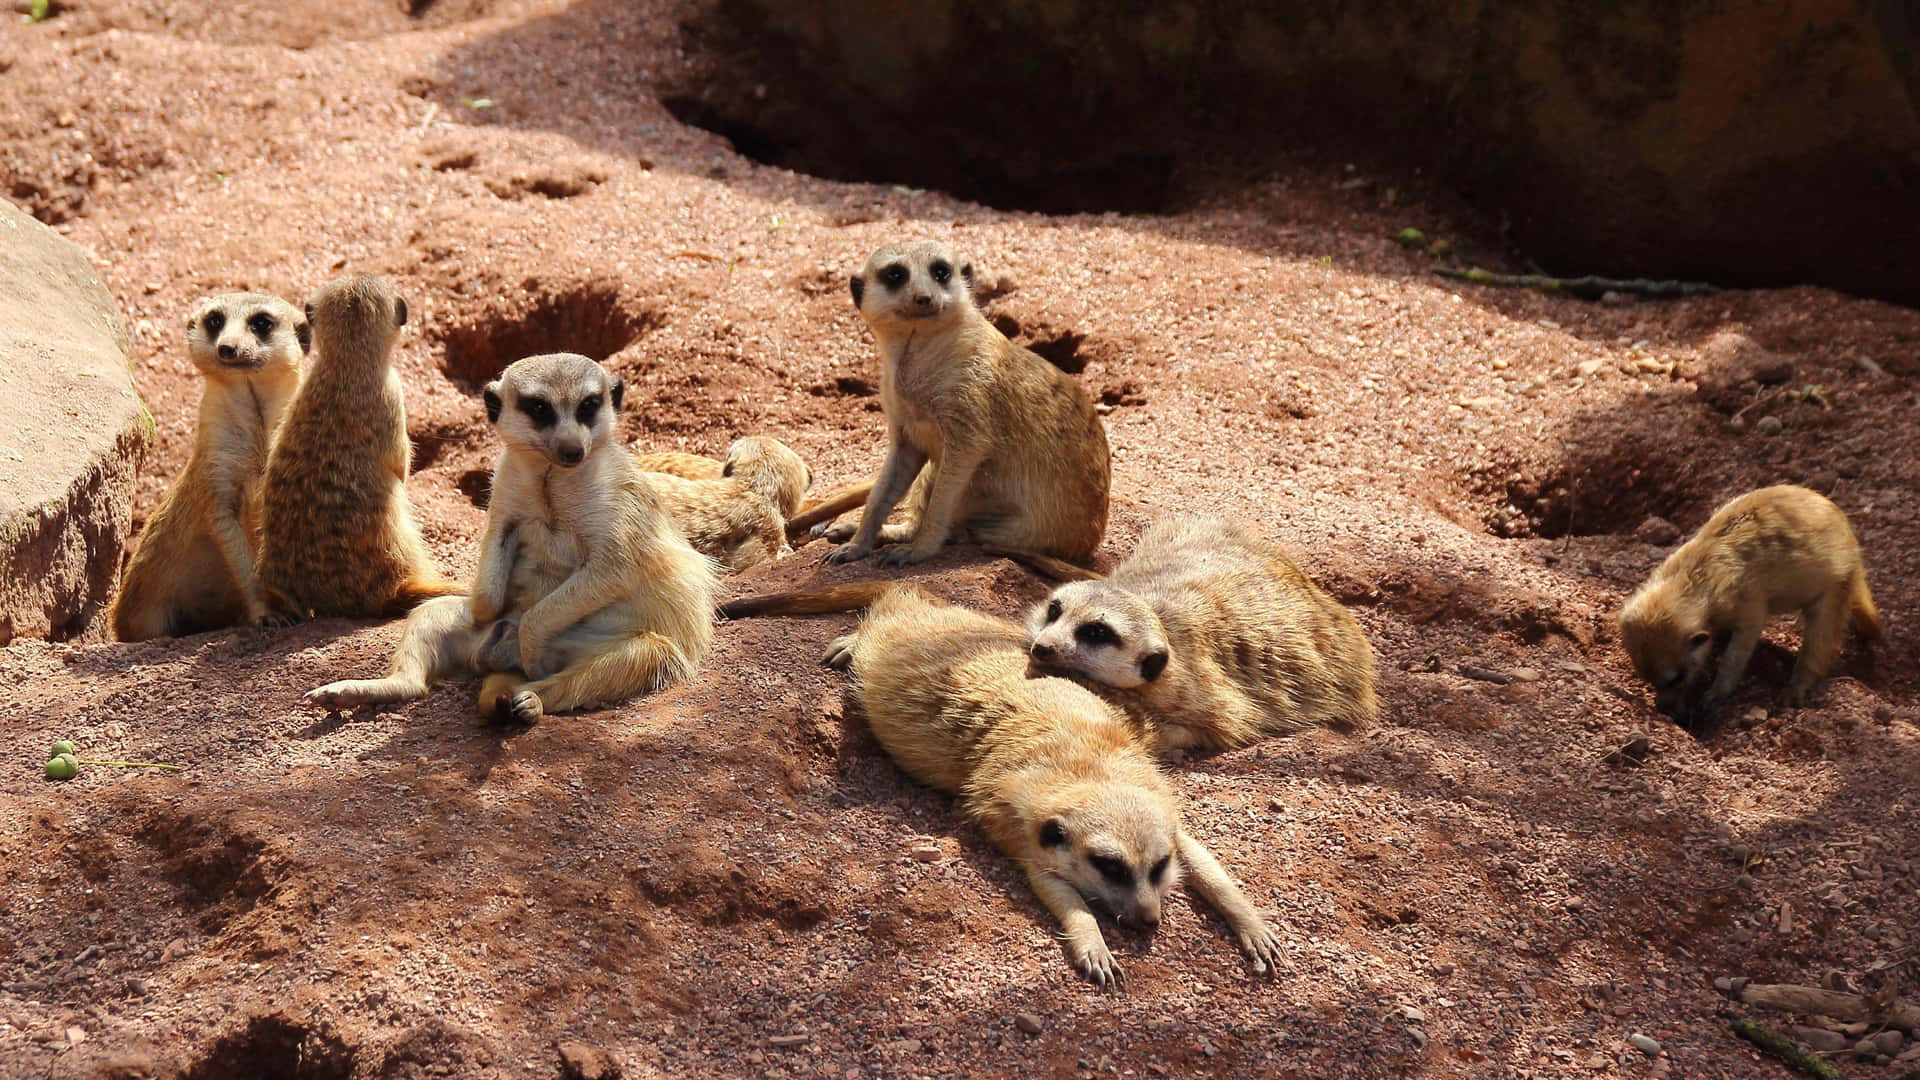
[(73, 439), (1741, 143)]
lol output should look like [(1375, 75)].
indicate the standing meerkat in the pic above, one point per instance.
[(195, 569), (1210, 637), (1050, 772), (587, 593), (1765, 553), (337, 535), (1012, 450)]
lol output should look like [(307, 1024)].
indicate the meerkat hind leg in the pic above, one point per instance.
[(437, 643), (1823, 626), (626, 667), (506, 699)]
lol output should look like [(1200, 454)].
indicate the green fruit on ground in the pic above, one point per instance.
[(62, 747), (1411, 237), (63, 767)]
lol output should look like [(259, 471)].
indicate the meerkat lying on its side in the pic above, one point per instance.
[(1208, 636), (764, 464), (587, 593), (337, 533), (1051, 772), (737, 516), (194, 569), (677, 463), (988, 441), (1768, 552)]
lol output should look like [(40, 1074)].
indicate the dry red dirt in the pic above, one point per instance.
[(716, 880)]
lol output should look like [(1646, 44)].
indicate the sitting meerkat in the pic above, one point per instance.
[(337, 534), (1050, 772), (996, 444), (737, 517), (1765, 553), (587, 593), (1209, 637), (194, 569)]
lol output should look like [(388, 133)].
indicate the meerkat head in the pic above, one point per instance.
[(771, 468), (246, 332), (561, 407), (1669, 642), (1114, 842), (356, 317), (1101, 632), (907, 284)]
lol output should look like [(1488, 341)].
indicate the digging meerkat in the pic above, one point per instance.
[(195, 568), (1768, 552)]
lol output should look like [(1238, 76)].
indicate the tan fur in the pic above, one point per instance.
[(1208, 636), (816, 515), (338, 536), (195, 568), (735, 512), (771, 468), (1765, 553), (678, 463), (587, 593), (1050, 772), (996, 444)]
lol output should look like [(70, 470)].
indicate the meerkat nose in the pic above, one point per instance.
[(923, 299), (227, 352), (571, 455), (1042, 651)]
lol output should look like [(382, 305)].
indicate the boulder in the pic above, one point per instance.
[(74, 437)]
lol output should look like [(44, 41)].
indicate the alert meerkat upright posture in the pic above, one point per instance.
[(587, 593), (1050, 772), (1208, 636), (1012, 450), (739, 517), (337, 534), (194, 569), (1765, 553)]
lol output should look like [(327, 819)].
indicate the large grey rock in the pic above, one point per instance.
[(72, 440)]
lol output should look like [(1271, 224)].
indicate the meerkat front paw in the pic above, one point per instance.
[(1260, 943), (338, 695), (1092, 960), (520, 707), (838, 534), (849, 553), (903, 556)]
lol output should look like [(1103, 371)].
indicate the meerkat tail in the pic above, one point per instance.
[(828, 508), (1866, 618), (1045, 565), (825, 600), (415, 591)]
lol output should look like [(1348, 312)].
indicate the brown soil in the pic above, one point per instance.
[(716, 880)]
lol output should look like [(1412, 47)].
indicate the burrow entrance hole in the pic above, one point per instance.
[(593, 320), (1588, 496), (277, 1046)]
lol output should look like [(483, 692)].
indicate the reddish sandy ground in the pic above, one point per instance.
[(716, 880)]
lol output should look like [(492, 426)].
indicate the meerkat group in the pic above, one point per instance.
[(598, 574)]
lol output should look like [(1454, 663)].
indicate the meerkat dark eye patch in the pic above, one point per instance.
[(1095, 633), (1159, 872), (1112, 869), (588, 410), (941, 272), (1053, 833), (214, 323), (538, 410), (894, 276), (1053, 610), (262, 326)]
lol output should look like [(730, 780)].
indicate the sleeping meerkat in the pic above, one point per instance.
[(996, 444), (194, 569), (764, 464), (1766, 553), (337, 533), (1209, 637), (587, 593), (1050, 772), (677, 463), (736, 516)]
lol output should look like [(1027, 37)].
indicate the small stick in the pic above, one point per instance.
[(1783, 1048), (1590, 287), (130, 764)]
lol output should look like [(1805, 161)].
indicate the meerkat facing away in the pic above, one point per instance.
[(765, 464), (1210, 637), (1765, 553), (988, 441), (736, 515), (337, 533), (194, 569), (1050, 772), (678, 463), (587, 593)]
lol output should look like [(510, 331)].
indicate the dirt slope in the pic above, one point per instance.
[(718, 880)]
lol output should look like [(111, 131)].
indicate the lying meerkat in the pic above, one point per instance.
[(764, 464), (678, 463), (1209, 637), (737, 515), (194, 569), (1050, 772), (337, 533), (996, 444), (587, 593), (1767, 552)]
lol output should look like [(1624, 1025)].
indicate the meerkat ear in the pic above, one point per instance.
[(492, 397), (399, 311), (617, 392), (859, 286), (726, 469), (1152, 664), (1053, 833), (309, 311), (303, 330)]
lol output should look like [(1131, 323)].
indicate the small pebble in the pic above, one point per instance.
[(1524, 674), (1028, 1022), (786, 1041), (1442, 969), (1889, 1042), (1768, 425), (1820, 1040), (1644, 1044), (1413, 1015), (926, 853), (1657, 531)]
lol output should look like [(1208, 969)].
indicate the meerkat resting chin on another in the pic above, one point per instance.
[(1210, 637), (1765, 553), (337, 533), (1052, 773), (194, 569), (587, 593), (988, 441)]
